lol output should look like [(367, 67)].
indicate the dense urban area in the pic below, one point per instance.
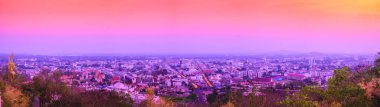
[(210, 80)]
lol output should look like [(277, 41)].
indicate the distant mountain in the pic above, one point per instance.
[(315, 53), (279, 53), (293, 53), (286, 52)]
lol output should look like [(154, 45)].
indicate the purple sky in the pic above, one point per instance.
[(188, 26)]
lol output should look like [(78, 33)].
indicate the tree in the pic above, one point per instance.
[(10, 92), (13, 97), (252, 97), (211, 98), (47, 90), (216, 100), (236, 98), (342, 89), (377, 61), (104, 98), (308, 81), (192, 96), (166, 102), (370, 82), (299, 99), (229, 104), (150, 97)]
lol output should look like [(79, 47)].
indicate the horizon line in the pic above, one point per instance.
[(192, 54)]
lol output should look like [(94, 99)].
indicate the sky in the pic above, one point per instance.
[(188, 26)]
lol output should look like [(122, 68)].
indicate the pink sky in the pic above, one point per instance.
[(189, 26)]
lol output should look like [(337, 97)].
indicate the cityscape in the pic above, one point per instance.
[(189, 53), (183, 76)]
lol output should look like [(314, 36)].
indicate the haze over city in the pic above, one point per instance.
[(188, 26)]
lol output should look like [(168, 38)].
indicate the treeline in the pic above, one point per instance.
[(47, 90), (347, 88)]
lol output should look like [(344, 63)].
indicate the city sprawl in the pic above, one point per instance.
[(182, 76)]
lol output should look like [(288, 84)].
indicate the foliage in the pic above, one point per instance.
[(13, 97), (370, 82), (150, 97), (105, 99), (252, 97), (48, 91), (342, 90), (229, 104), (166, 102), (211, 98), (236, 98), (192, 97), (10, 93), (299, 99), (216, 99)]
